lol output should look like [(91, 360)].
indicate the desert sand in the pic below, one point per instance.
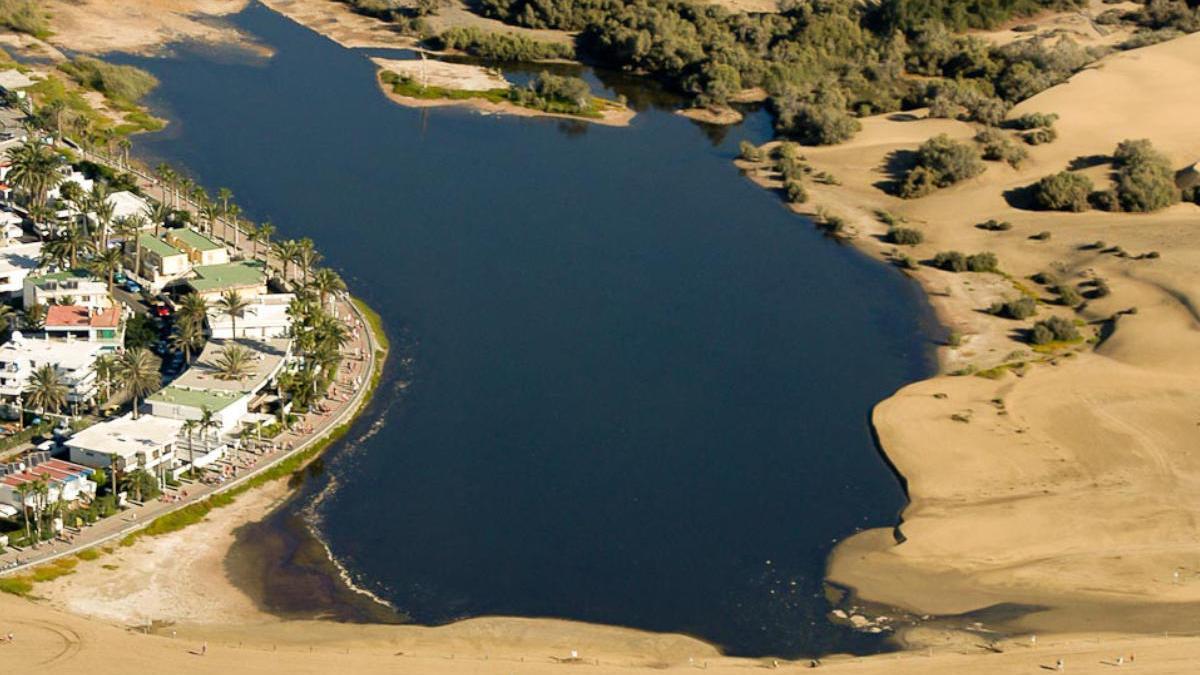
[(1072, 486), (141, 26)]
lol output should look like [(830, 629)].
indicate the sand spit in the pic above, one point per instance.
[(142, 26)]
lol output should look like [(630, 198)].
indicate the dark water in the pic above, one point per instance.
[(639, 386)]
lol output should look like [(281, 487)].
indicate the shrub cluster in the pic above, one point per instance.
[(554, 93), (1054, 329), (993, 225), (1063, 191), (940, 161), (998, 147), (1019, 309), (953, 261), (905, 236), (502, 46), (750, 152), (1145, 180)]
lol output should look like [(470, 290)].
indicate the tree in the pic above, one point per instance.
[(106, 372), (34, 170), (287, 251), (306, 257), (160, 213), (24, 490), (130, 229), (46, 391), (66, 247), (1145, 179), (941, 161), (6, 317), (233, 362), (189, 428), (188, 338), (138, 374), (192, 309), (326, 282), (232, 304), (1063, 191), (34, 316), (106, 264), (207, 423), (99, 204), (263, 234), (1054, 329)]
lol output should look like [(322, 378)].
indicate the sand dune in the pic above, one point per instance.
[(1076, 484)]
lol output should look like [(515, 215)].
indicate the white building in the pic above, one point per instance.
[(199, 387), (162, 263), (70, 481), (74, 361), (145, 443), (126, 205), (76, 322), (17, 262), (68, 287), (266, 317)]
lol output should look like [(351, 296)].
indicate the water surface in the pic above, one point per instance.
[(639, 387)]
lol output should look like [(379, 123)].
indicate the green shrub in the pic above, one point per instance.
[(1035, 121), (983, 262), (1040, 136), (1145, 180), (502, 46), (795, 192), (1068, 296), (750, 152), (1019, 309), (998, 147), (941, 161), (951, 261), (905, 236), (1063, 191), (817, 124), (1054, 329)]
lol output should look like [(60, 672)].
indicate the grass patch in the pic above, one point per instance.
[(25, 16), (88, 554), (1051, 347), (21, 586), (110, 567), (120, 84), (374, 321)]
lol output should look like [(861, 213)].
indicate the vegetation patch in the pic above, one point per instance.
[(25, 16), (1063, 191), (501, 46), (940, 162)]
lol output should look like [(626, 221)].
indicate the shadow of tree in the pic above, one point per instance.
[(895, 167)]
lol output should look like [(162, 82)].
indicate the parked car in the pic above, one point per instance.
[(132, 286)]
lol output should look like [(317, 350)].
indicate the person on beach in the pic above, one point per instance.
[(204, 649), (1058, 665)]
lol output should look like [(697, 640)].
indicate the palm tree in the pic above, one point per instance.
[(169, 179), (188, 338), (307, 257), (66, 247), (207, 423), (189, 428), (34, 316), (286, 251), (326, 281), (160, 213), (232, 304), (34, 169), (210, 212), (265, 231), (106, 370), (43, 213), (46, 391), (130, 229), (233, 362), (106, 264), (99, 204), (23, 491), (232, 215), (125, 145), (192, 309), (41, 493), (138, 374)]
